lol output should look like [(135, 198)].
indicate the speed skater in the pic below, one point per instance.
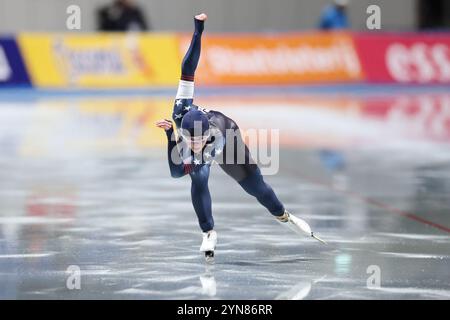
[(203, 137)]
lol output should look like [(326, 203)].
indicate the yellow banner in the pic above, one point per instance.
[(101, 60)]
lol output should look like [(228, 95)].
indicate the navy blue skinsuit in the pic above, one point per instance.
[(229, 151)]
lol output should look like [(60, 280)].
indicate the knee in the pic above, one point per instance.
[(260, 191), (254, 185)]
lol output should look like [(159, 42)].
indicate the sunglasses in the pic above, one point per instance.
[(195, 139)]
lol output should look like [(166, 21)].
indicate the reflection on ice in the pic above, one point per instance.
[(208, 281)]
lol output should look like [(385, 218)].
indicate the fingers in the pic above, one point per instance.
[(165, 124), (165, 127), (164, 121), (201, 17)]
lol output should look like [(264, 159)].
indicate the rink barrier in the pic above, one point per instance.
[(144, 60)]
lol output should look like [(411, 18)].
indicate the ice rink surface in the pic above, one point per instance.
[(84, 185)]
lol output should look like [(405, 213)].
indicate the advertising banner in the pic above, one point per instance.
[(277, 59), (12, 69), (102, 60), (405, 58), (140, 60)]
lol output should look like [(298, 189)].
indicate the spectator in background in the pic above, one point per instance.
[(121, 15), (334, 16)]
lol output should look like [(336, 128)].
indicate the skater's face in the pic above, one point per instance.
[(196, 144)]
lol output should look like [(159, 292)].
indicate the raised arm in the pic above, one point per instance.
[(189, 65), (192, 56)]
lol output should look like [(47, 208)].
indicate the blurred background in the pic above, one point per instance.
[(226, 16), (360, 96)]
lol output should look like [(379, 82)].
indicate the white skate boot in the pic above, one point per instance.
[(297, 225), (209, 245)]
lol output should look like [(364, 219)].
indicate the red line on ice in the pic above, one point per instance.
[(385, 206)]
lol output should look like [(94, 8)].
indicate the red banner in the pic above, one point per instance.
[(405, 58)]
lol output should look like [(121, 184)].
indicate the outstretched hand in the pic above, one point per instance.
[(164, 124)]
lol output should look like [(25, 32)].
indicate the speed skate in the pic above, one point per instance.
[(298, 225), (209, 245), (294, 223)]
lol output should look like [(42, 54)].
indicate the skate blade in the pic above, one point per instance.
[(296, 229), (209, 256), (317, 238)]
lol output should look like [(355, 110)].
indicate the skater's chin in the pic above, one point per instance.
[(197, 148)]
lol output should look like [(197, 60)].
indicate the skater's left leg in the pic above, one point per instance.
[(251, 180), (244, 170), (249, 177), (257, 187)]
